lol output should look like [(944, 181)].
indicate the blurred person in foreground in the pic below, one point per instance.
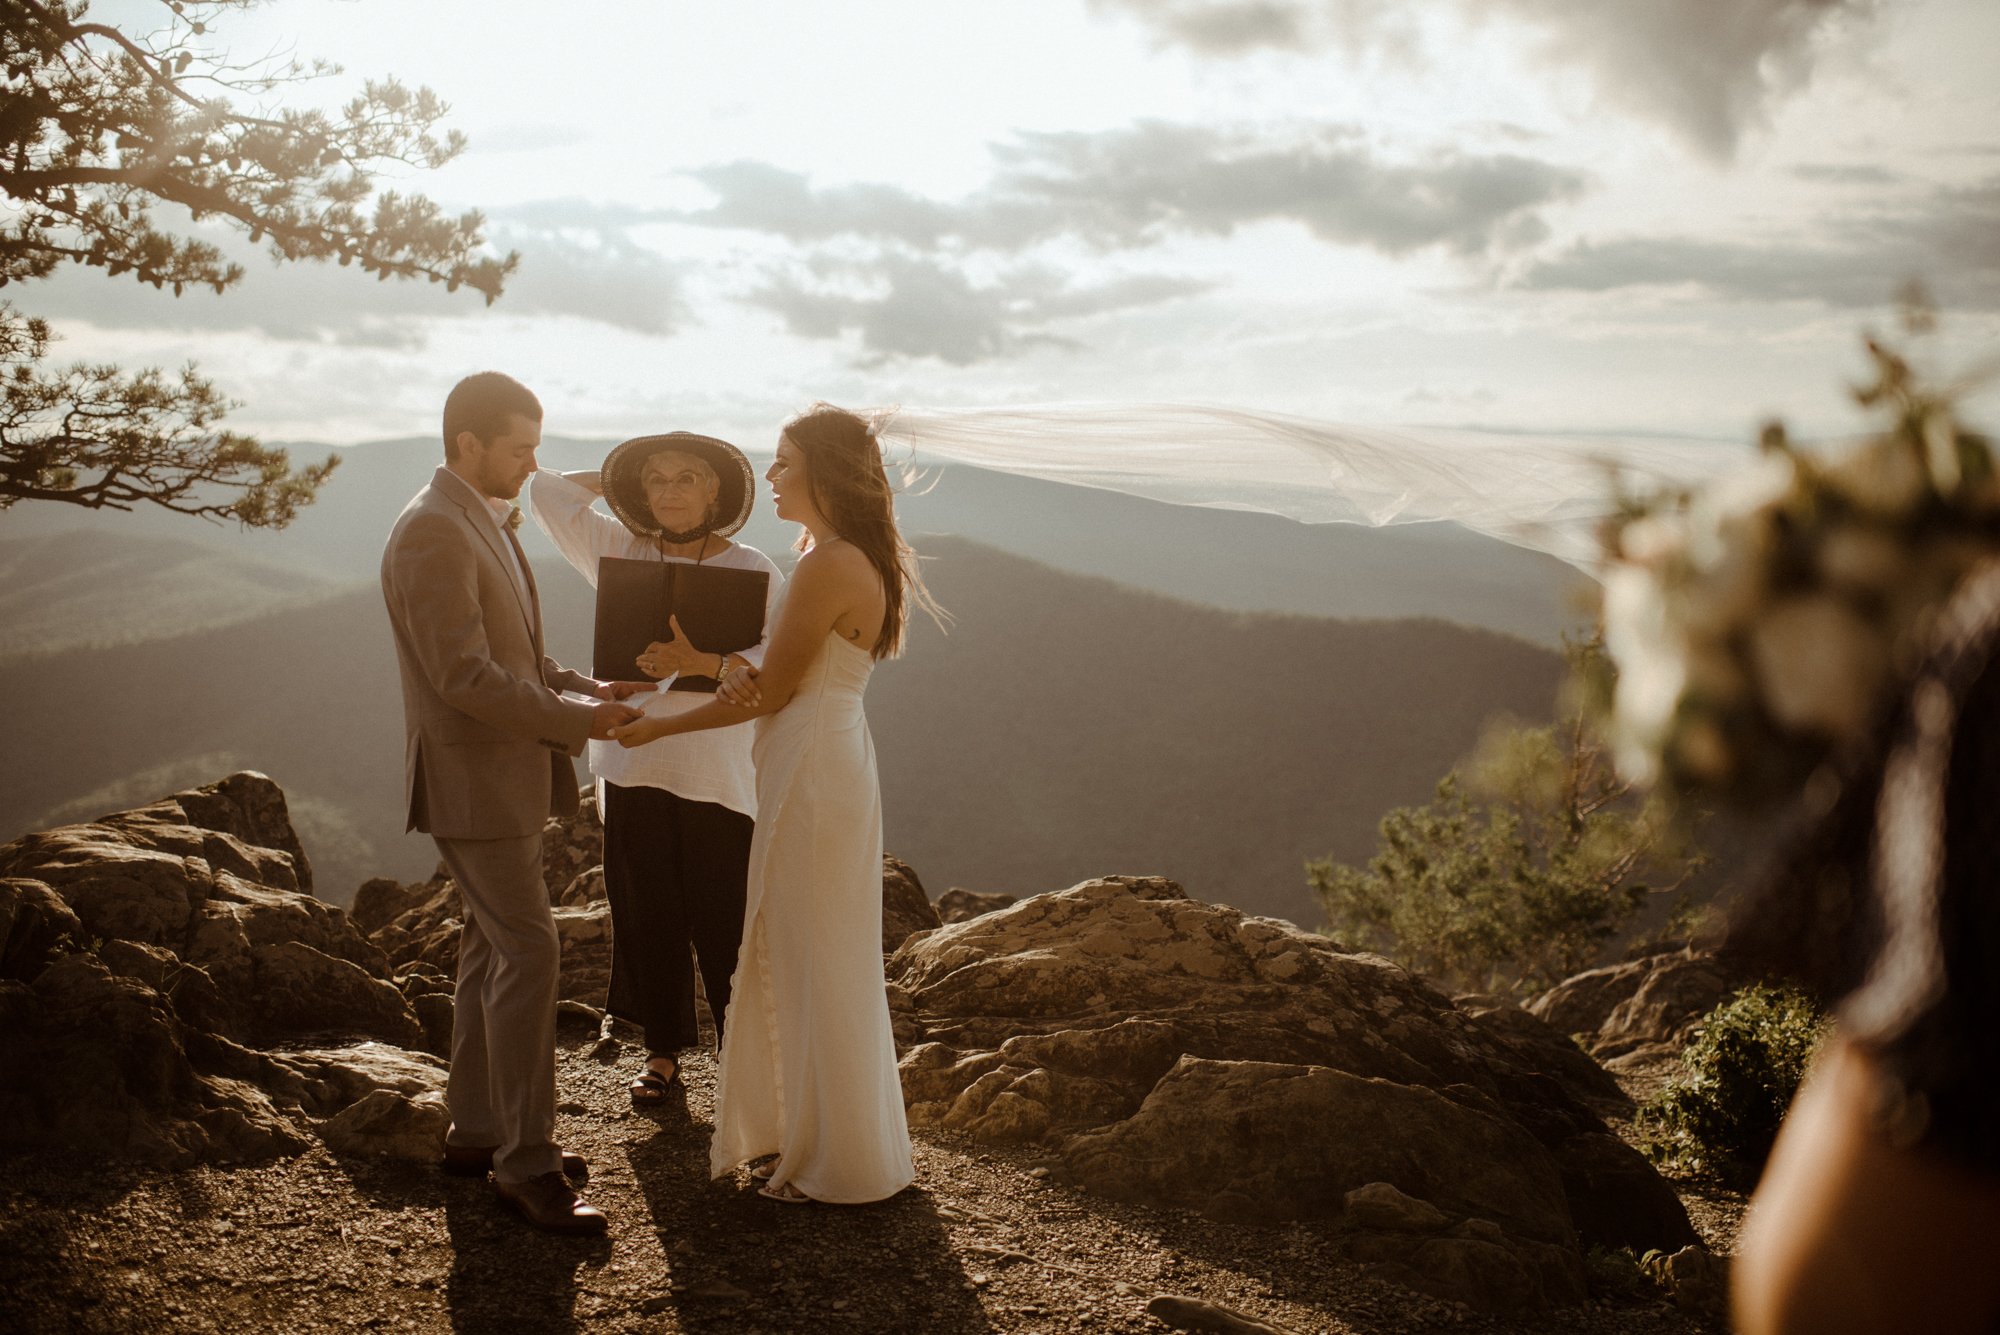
[(1816, 635), (1879, 1209)]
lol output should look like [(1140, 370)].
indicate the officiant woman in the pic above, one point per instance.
[(677, 816)]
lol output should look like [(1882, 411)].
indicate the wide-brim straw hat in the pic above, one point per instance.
[(626, 496)]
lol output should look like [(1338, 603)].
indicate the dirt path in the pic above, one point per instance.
[(981, 1243)]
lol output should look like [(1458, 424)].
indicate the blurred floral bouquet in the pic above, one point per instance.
[(1763, 623)]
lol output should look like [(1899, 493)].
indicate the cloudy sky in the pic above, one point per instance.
[(1590, 215)]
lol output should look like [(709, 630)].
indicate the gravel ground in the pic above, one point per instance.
[(983, 1243)]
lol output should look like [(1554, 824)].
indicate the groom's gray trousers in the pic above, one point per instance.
[(502, 1083)]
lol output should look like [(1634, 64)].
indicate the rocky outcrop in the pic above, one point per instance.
[(1643, 1009), (1542, 1047), (176, 994), (34, 922), (957, 904), (100, 1062), (1182, 1053), (154, 964), (416, 926), (906, 909)]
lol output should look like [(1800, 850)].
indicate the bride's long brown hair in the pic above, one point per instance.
[(851, 489)]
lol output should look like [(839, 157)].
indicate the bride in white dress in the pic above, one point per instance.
[(808, 1065)]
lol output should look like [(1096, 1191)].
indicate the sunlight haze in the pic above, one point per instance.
[(1508, 213)]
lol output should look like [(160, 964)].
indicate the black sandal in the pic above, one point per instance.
[(651, 1089)]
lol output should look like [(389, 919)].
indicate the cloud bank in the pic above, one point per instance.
[(1712, 70), (973, 279), (1147, 183), (601, 277), (1948, 239)]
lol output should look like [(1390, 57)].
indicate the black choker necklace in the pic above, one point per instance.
[(682, 539), (700, 535)]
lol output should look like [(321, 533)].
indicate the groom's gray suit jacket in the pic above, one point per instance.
[(487, 739)]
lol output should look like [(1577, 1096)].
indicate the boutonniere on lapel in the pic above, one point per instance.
[(513, 518)]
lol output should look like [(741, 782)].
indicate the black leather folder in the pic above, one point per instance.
[(721, 609)]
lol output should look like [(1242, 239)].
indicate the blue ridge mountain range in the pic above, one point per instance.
[(1125, 687)]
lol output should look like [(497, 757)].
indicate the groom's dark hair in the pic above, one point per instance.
[(482, 404)]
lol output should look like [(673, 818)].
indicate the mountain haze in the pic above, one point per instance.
[(1231, 559), (1066, 727), (76, 589)]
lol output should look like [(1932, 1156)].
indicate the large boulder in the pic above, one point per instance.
[(1328, 1133), (1188, 1054), (1477, 1211), (323, 1081), (378, 1101), (388, 1125), (148, 960), (383, 899), (302, 991), (1643, 1007), (906, 909), (572, 845), (115, 888), (99, 1063), (418, 924), (957, 904), (1540, 1046), (585, 933), (34, 924)]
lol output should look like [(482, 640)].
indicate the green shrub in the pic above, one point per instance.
[(1721, 1115), (1618, 1273)]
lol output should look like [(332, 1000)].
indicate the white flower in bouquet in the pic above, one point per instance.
[(1765, 623), (1821, 665), (1641, 639), (1732, 528), (1863, 561)]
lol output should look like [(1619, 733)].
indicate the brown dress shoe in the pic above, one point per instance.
[(548, 1203), (477, 1161)]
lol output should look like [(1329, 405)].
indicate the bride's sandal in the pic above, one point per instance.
[(763, 1171), (784, 1192)]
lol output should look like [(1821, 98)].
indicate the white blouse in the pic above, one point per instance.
[(712, 766)]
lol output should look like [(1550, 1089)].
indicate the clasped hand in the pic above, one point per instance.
[(608, 718), (638, 732)]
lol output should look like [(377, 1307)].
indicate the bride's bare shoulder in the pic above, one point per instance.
[(838, 560)]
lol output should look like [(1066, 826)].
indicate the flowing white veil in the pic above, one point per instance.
[(1544, 492)]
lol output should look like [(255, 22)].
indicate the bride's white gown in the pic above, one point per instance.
[(808, 1066)]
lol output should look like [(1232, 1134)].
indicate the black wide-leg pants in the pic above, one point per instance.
[(674, 871)]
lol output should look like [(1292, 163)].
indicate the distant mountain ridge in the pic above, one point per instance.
[(1065, 728), (76, 589), (1231, 559)]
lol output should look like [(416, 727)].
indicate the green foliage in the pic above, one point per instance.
[(100, 126), (1720, 1117), (1616, 1272), (1523, 886)]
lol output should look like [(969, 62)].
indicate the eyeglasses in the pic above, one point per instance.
[(686, 480)]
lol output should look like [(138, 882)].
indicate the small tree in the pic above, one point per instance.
[(1516, 874), (101, 127)]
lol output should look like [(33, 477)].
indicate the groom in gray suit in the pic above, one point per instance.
[(487, 742)]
